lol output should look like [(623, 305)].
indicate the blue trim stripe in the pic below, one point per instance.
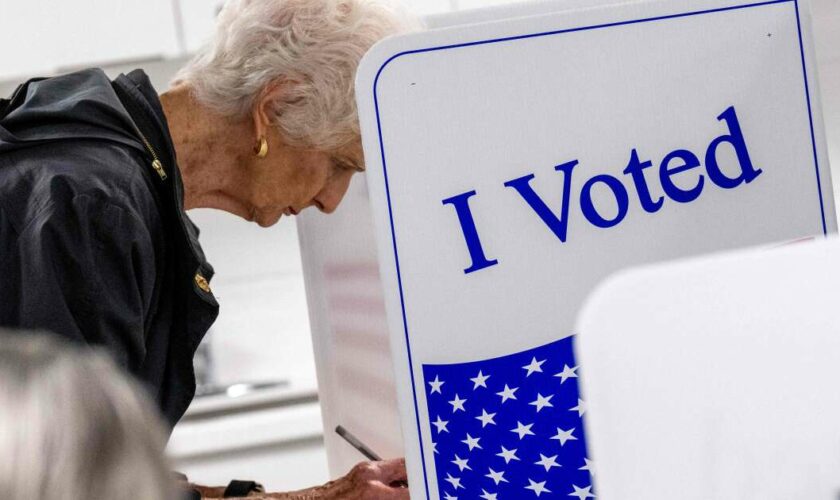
[(399, 283), (573, 30), (535, 35)]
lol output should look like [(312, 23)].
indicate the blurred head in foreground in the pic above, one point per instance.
[(72, 427)]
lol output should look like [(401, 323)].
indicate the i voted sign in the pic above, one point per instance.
[(513, 165), (674, 163)]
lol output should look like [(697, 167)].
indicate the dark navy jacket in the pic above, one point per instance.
[(94, 243)]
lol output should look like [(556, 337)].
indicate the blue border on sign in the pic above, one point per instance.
[(549, 33)]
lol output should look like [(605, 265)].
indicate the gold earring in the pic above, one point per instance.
[(261, 150)]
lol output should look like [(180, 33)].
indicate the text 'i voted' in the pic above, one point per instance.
[(677, 162)]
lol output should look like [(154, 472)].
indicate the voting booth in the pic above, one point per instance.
[(512, 165), (716, 377), (345, 297)]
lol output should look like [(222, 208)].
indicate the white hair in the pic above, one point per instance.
[(72, 427), (313, 45)]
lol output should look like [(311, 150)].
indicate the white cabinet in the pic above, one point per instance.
[(44, 36)]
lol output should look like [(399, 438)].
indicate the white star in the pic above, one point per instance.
[(436, 383), (454, 481), (542, 402), (441, 425), (497, 477), (534, 366), (567, 373), (461, 463), (523, 430), (486, 418), (508, 393), (472, 442), (564, 436), (434, 447), (580, 408), (480, 380), (548, 462), (457, 404), (588, 466), (538, 488), (508, 455), (447, 496), (582, 493), (488, 496)]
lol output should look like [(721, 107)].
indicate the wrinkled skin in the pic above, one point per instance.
[(366, 481)]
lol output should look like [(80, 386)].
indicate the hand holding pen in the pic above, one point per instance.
[(399, 480)]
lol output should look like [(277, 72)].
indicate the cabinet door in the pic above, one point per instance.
[(45, 36)]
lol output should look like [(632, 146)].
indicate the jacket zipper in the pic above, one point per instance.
[(156, 164), (199, 279)]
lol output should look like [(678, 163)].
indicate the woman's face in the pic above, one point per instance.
[(290, 179)]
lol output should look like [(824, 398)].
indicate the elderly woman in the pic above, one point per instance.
[(95, 177)]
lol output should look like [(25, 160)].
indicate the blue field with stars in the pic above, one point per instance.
[(510, 427)]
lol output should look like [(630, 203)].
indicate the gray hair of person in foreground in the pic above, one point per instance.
[(73, 427)]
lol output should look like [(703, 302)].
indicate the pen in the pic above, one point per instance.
[(355, 443)]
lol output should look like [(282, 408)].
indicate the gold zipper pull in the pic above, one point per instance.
[(202, 283), (158, 166)]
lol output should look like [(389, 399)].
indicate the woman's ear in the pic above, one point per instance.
[(266, 104)]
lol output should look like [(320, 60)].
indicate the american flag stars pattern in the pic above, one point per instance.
[(510, 427)]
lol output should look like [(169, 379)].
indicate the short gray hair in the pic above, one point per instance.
[(315, 45), (72, 427)]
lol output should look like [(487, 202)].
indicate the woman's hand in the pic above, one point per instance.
[(383, 480)]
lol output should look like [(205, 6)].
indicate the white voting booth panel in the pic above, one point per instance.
[(513, 165), (349, 331), (717, 378)]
